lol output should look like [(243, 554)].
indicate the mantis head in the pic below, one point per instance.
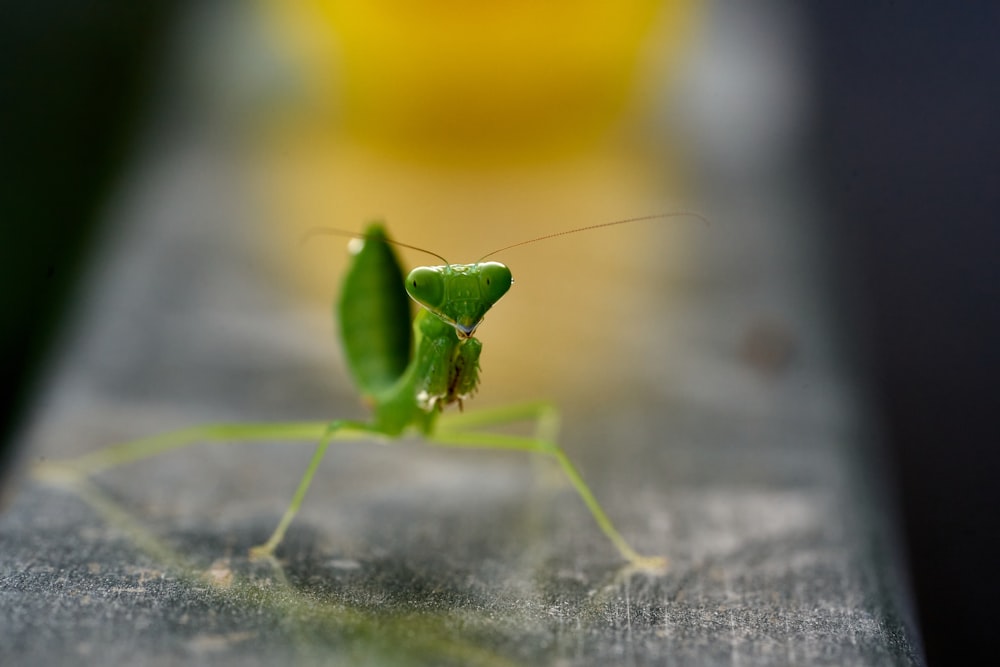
[(459, 294)]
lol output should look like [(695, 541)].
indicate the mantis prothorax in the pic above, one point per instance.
[(409, 373)]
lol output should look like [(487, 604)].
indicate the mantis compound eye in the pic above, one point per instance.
[(494, 280), (426, 285)]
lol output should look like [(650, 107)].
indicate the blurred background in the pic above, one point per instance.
[(467, 129)]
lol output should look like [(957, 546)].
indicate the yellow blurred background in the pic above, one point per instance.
[(471, 127)]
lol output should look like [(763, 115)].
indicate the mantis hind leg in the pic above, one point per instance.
[(73, 472), (462, 431)]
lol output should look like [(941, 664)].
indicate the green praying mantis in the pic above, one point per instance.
[(408, 372)]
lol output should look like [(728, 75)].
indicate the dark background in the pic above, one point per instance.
[(75, 83), (909, 139), (906, 141)]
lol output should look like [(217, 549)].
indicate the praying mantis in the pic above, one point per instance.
[(408, 372)]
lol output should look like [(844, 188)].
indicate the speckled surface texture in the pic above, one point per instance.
[(756, 474)]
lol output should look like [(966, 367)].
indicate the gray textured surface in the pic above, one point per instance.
[(740, 447), (754, 475)]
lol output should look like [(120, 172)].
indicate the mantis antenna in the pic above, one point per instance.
[(333, 231), (673, 214)]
